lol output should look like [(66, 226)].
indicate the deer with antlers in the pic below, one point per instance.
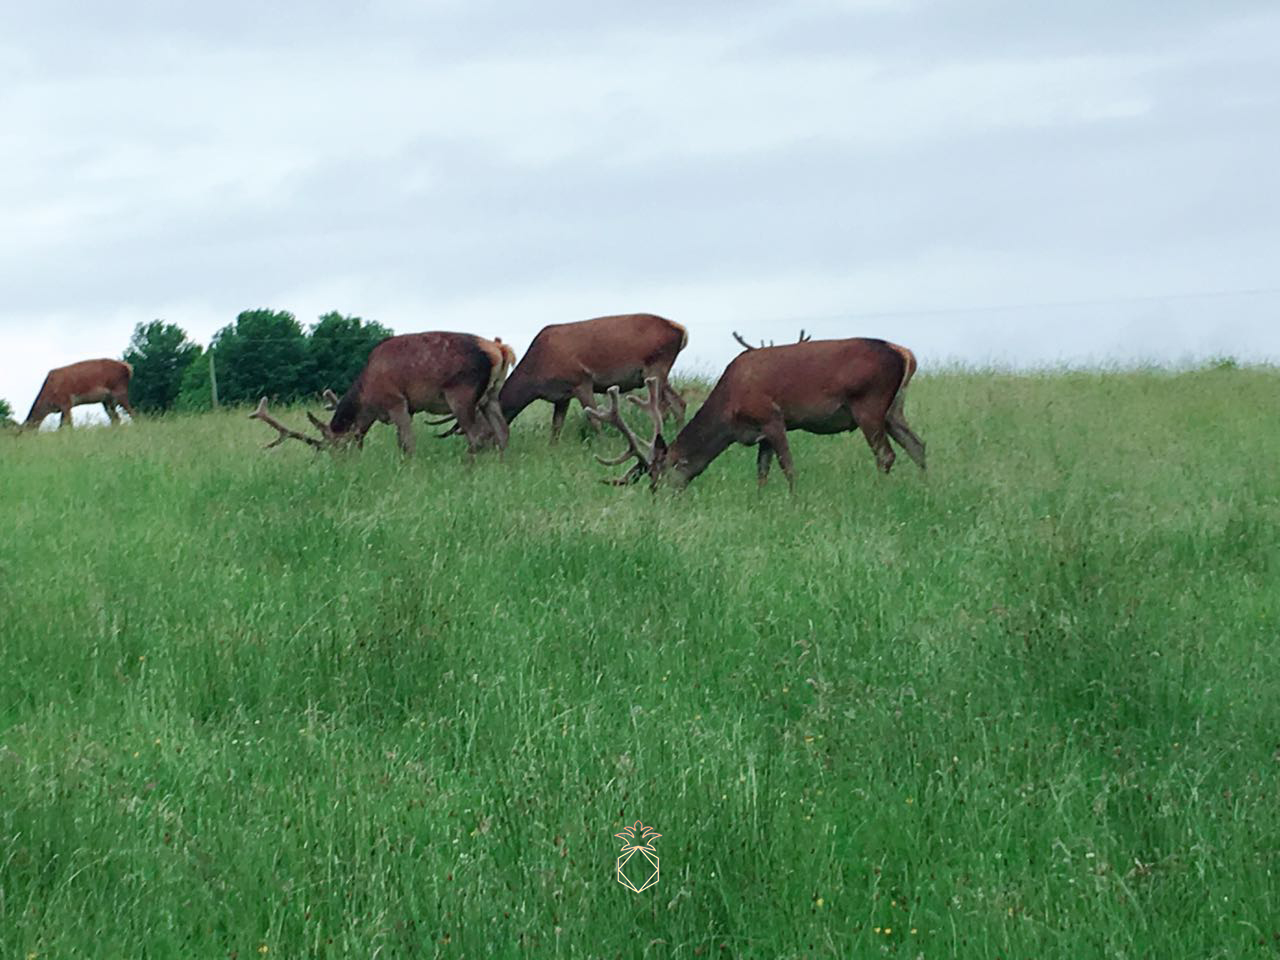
[(819, 386), (455, 373)]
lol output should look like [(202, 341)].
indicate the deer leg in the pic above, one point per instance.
[(404, 428), (898, 429), (775, 433), (66, 416), (879, 446), (558, 413), (498, 424), (587, 398), (462, 404), (123, 400), (109, 406), (674, 402), (870, 416), (764, 457)]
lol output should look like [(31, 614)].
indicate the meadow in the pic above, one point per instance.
[(1024, 705)]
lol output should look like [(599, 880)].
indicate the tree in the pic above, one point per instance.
[(159, 353), (6, 413), (264, 353), (337, 349), (193, 392)]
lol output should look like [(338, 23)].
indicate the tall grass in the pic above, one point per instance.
[(1022, 706)]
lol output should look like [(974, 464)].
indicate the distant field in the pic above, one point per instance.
[(1027, 705)]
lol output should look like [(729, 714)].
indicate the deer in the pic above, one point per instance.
[(577, 360), (456, 373), (819, 386), (89, 381)]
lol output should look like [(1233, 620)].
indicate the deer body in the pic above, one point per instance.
[(89, 381), (820, 386), (443, 373), (577, 360)]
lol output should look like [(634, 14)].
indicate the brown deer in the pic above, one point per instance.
[(89, 381), (568, 360), (820, 386), (455, 373)]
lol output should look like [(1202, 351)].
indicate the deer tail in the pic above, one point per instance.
[(684, 334), (501, 360), (908, 371)]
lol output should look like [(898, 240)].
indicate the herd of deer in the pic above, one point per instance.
[(821, 386)]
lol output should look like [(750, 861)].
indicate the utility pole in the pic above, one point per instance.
[(213, 380)]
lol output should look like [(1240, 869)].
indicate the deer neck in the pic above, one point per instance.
[(703, 439), (517, 393)]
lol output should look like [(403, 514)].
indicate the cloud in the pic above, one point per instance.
[(495, 166)]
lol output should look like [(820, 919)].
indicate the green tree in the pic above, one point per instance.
[(264, 353), (193, 392), (337, 349), (159, 353), (6, 413)]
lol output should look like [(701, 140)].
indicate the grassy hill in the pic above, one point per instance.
[(1025, 705)]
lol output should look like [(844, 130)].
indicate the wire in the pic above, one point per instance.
[(899, 314), (1044, 305)]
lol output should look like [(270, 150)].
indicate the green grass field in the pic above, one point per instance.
[(1027, 705)]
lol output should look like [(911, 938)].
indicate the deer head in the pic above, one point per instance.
[(327, 435), (649, 454)]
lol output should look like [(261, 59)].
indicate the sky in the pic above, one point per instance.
[(991, 181)]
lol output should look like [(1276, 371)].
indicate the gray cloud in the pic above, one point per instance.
[(746, 164)]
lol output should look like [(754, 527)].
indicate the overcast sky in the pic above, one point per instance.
[(856, 167)]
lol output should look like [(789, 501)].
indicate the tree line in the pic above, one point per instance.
[(264, 352)]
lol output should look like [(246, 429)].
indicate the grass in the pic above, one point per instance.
[(1023, 706)]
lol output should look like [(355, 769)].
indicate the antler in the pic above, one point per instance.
[(737, 336), (448, 418), (330, 399), (285, 433), (640, 449)]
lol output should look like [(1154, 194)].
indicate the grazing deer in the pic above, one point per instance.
[(820, 386), (89, 381), (454, 373), (568, 360)]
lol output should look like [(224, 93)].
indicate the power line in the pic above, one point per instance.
[(903, 314), (1043, 305)]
